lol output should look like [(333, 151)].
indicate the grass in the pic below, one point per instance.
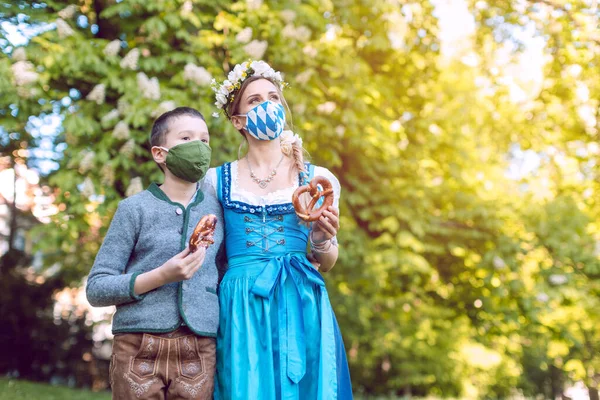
[(12, 389)]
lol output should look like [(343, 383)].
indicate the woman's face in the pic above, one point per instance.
[(256, 92)]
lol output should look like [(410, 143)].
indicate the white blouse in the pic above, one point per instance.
[(281, 196)]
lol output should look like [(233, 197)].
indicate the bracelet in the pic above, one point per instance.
[(323, 247)]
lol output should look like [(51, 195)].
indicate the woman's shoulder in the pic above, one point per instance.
[(211, 177), (335, 183), (322, 171)]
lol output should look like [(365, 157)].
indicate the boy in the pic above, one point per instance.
[(167, 307)]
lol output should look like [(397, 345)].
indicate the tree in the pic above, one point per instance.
[(446, 260)]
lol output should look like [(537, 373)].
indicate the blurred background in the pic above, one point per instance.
[(465, 135)]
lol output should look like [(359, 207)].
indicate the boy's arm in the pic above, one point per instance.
[(180, 267), (107, 283)]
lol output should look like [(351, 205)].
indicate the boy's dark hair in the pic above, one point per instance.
[(161, 124)]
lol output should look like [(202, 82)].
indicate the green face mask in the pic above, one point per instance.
[(189, 161)]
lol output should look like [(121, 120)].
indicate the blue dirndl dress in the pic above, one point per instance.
[(278, 337)]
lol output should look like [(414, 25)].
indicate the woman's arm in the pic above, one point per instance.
[(322, 239)]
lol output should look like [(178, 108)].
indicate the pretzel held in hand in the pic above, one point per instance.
[(310, 214), (203, 233)]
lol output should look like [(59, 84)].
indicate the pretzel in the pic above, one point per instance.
[(203, 233), (309, 214)]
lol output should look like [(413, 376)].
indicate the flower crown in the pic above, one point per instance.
[(224, 93)]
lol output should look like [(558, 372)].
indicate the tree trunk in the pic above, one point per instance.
[(593, 393), (106, 29), (13, 210)]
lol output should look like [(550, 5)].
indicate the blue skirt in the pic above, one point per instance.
[(278, 337)]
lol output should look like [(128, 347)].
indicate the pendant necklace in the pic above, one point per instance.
[(263, 182)]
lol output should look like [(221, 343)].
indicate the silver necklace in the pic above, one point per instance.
[(263, 182)]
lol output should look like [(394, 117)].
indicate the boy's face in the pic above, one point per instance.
[(184, 129), (181, 130)]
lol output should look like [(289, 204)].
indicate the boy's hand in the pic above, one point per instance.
[(183, 266)]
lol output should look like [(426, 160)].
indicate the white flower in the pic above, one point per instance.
[(303, 33), (288, 15), (163, 107), (121, 131), (340, 130), (111, 115), (235, 75), (498, 262), (131, 59), (254, 4), (199, 75), (112, 48), (215, 115), (24, 73), (241, 72), (87, 189), (97, 94), (135, 186), (107, 175), (64, 30), (287, 139), (68, 12), (327, 107), (19, 54), (244, 36), (286, 148), (256, 48), (289, 31), (543, 297), (87, 162), (149, 87), (223, 91), (221, 99), (187, 7), (558, 279), (304, 76), (310, 51), (287, 136), (123, 106), (399, 29), (299, 108), (26, 93), (396, 125), (128, 148)]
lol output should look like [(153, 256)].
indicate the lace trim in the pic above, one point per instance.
[(280, 196), (242, 207)]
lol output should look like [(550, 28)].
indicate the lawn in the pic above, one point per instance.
[(11, 389)]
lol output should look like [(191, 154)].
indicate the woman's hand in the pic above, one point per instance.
[(327, 226)]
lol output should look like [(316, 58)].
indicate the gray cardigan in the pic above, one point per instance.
[(147, 230)]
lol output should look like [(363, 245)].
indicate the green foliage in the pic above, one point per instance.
[(454, 279)]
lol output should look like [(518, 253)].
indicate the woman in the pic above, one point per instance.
[(278, 337)]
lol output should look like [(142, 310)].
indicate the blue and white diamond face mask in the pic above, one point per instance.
[(265, 121)]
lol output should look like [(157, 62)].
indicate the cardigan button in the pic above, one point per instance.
[(179, 211)]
